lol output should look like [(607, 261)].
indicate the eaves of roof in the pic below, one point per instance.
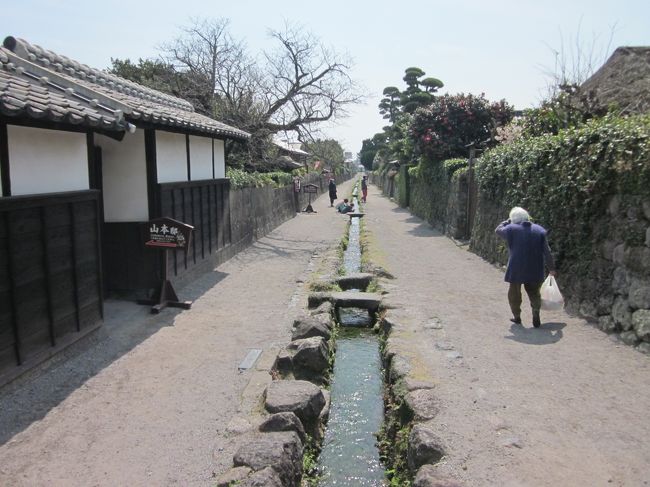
[(142, 103), (27, 90)]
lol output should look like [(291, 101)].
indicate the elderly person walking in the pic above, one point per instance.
[(529, 252), (332, 191)]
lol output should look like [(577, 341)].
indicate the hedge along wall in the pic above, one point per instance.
[(590, 188), (438, 194)]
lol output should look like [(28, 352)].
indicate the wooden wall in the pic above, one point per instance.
[(50, 274)]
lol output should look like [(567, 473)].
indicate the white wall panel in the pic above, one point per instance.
[(200, 158), (171, 157), (124, 172), (46, 161), (219, 159)]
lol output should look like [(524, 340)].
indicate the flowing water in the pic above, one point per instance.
[(349, 456)]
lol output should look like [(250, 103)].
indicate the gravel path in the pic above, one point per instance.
[(559, 405), (157, 399)]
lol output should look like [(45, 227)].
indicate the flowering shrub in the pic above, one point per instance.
[(443, 129)]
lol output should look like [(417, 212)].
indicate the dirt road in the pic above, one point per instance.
[(158, 400), (562, 405)]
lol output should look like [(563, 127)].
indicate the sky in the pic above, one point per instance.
[(503, 48)]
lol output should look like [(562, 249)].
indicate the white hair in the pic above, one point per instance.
[(518, 215)]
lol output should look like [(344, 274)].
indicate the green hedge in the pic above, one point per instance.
[(242, 179), (566, 180)]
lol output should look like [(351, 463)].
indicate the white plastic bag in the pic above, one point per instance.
[(551, 296)]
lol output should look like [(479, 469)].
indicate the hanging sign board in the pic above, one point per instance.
[(310, 188), (167, 233)]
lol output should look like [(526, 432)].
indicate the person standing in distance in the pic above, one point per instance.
[(529, 253), (364, 188), (332, 191)]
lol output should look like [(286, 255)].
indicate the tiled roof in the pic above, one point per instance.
[(142, 103), (27, 91)]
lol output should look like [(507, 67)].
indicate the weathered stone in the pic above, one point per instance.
[(325, 412), (427, 476), (284, 361), (309, 326), (325, 308), (422, 404), (620, 281), (282, 451), (314, 300), (644, 347), (267, 477), (641, 324), (232, 475), (638, 258), (646, 209), (399, 367), (588, 310), (629, 338), (303, 398), (286, 421), (604, 306), (360, 280), (311, 354), (614, 205), (639, 295), (238, 425), (619, 254), (423, 447), (621, 314), (607, 324), (607, 249)]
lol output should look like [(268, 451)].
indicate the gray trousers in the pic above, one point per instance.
[(514, 297)]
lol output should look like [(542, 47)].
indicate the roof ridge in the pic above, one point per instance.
[(57, 62)]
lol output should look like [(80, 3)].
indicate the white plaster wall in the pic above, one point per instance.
[(200, 158), (219, 159), (124, 173), (171, 157), (46, 161)]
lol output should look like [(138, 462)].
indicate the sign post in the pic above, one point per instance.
[(166, 233), (309, 189)]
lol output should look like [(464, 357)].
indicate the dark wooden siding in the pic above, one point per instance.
[(205, 205), (50, 273)]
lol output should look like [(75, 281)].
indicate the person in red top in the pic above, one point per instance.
[(364, 188)]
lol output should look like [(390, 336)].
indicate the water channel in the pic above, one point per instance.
[(349, 456)]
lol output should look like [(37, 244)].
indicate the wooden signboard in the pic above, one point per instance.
[(310, 188), (166, 233)]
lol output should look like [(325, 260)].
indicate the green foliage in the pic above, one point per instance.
[(369, 149), (450, 123), (566, 180), (327, 150), (242, 179), (569, 108)]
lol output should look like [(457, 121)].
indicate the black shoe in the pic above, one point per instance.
[(516, 321), (537, 322)]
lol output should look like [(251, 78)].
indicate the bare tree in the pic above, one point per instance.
[(293, 87)]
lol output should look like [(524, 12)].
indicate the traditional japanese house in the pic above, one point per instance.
[(86, 158)]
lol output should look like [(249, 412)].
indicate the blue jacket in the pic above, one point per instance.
[(529, 252)]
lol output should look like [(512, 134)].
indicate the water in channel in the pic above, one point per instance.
[(349, 456)]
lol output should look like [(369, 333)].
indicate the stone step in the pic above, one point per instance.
[(369, 301), (359, 280), (355, 215)]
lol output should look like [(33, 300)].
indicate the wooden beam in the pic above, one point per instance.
[(4, 160), (12, 288), (153, 196), (187, 151)]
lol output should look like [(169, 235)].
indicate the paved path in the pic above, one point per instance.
[(562, 405), (157, 400)]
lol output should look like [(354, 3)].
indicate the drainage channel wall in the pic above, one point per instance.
[(296, 404)]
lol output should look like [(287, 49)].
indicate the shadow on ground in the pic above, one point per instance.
[(126, 324), (547, 334)]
